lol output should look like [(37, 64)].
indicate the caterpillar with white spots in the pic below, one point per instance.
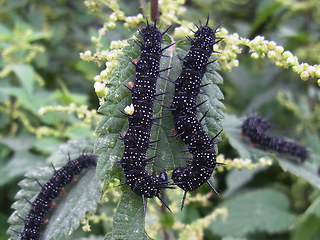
[(140, 116), (51, 190), (184, 109)]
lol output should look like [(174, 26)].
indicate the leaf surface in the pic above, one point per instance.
[(259, 210)]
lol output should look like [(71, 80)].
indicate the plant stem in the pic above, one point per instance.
[(143, 6), (154, 10)]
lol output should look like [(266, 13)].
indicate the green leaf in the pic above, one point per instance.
[(307, 230), (237, 178), (21, 162), (11, 5), (82, 197), (92, 237), (307, 225), (4, 31), (32, 103), (233, 238), (78, 130), (266, 14), (19, 143), (259, 210), (72, 148), (128, 222), (26, 76), (47, 144), (306, 170)]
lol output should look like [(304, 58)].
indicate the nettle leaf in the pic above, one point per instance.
[(259, 210), (108, 145), (72, 148), (80, 198), (168, 150), (22, 160), (307, 225), (128, 222), (306, 170), (237, 178), (26, 75), (92, 237)]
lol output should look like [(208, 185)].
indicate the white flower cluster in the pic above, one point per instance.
[(261, 48), (241, 163)]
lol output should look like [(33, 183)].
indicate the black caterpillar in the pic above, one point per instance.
[(41, 205), (137, 137), (256, 127), (184, 110)]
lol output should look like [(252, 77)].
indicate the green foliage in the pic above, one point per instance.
[(307, 226), (45, 101), (259, 210), (128, 222), (32, 39)]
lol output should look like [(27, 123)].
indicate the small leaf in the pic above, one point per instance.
[(266, 14), (18, 143), (260, 210), (32, 103), (26, 76), (128, 222), (21, 162), (307, 230), (237, 178), (307, 225), (78, 130), (46, 144), (92, 237), (306, 170), (72, 149)]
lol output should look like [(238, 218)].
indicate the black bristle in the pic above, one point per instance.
[(136, 141), (184, 109)]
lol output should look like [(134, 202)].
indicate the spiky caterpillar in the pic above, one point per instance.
[(256, 127), (49, 191), (137, 137), (184, 110)]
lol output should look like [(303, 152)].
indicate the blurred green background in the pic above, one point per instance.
[(40, 42)]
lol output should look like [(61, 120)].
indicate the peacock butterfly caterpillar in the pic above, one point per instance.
[(256, 129), (51, 190), (184, 108), (137, 138)]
